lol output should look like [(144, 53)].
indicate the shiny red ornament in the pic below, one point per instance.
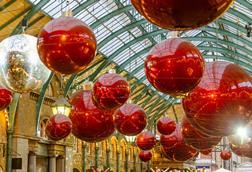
[(174, 67), (206, 151), (66, 45), (58, 127), (145, 156), (90, 124), (181, 14), (243, 150), (197, 139), (5, 98), (222, 101), (111, 91), (168, 140), (180, 151), (166, 125), (146, 140), (225, 155), (130, 119)]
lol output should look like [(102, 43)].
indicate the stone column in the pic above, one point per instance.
[(32, 162), (126, 161), (52, 164), (60, 164), (118, 161)]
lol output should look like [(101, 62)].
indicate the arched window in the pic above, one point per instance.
[(42, 131)]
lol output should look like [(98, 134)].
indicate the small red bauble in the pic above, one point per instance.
[(5, 98), (225, 155), (130, 119), (146, 140), (58, 127), (145, 156), (181, 14), (197, 139), (174, 67), (168, 140), (89, 122), (166, 125), (244, 150), (222, 101), (180, 151), (111, 91), (66, 45)]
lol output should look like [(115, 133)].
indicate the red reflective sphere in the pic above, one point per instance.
[(146, 140), (197, 139), (222, 101), (130, 119), (66, 45), (180, 151), (58, 127), (111, 91), (174, 67), (225, 155), (181, 14), (5, 98), (168, 140), (166, 125), (145, 156), (206, 151), (244, 150), (89, 122)]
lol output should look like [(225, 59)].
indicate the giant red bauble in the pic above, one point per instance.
[(197, 139), (222, 101), (5, 98), (58, 127), (145, 156), (146, 140), (225, 154), (130, 119), (66, 45), (111, 91), (90, 124), (174, 67), (181, 14), (166, 125), (180, 151), (168, 140)]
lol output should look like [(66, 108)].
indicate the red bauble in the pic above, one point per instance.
[(166, 126), (130, 119), (225, 155), (168, 140), (244, 150), (145, 156), (197, 139), (66, 45), (5, 98), (89, 122), (181, 14), (111, 91), (58, 127), (174, 67), (146, 140), (222, 101), (206, 151), (180, 151)]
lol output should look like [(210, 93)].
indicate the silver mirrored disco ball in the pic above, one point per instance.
[(20, 67)]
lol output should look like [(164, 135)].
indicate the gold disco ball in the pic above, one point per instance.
[(20, 67)]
